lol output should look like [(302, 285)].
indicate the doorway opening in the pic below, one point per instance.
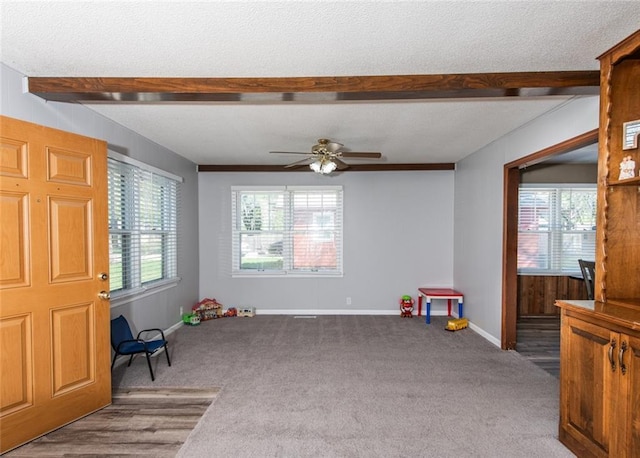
[(574, 150)]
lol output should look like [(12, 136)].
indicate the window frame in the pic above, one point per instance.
[(288, 231), (131, 236)]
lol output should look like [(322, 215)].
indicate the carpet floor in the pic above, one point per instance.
[(143, 422), (356, 386)]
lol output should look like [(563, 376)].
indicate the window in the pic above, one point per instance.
[(556, 227), (292, 230), (143, 222)]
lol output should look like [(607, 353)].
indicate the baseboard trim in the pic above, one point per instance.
[(389, 312), (485, 334)]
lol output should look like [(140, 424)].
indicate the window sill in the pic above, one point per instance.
[(118, 299), (267, 274)]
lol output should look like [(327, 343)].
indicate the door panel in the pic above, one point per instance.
[(72, 338), (70, 231), (13, 158), (16, 375), (54, 331), (14, 266)]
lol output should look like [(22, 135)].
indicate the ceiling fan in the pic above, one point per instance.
[(326, 156)]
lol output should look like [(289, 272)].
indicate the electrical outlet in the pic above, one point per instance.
[(348, 301), (181, 310)]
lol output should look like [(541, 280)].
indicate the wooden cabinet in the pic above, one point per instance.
[(600, 340), (600, 381)]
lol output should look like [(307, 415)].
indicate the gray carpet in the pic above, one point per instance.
[(356, 386)]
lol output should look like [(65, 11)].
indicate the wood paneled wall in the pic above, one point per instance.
[(538, 293)]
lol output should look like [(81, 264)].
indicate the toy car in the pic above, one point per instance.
[(457, 324), (250, 312)]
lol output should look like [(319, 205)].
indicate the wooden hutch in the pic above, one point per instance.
[(600, 340)]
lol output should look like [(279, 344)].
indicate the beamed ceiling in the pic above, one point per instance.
[(223, 83)]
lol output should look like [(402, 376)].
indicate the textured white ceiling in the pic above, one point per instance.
[(254, 39)]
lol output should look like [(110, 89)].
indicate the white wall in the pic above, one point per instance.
[(478, 206), (161, 309), (398, 236)]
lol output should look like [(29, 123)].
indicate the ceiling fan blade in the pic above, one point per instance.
[(333, 146), (340, 165), (299, 163), (287, 152), (360, 154)]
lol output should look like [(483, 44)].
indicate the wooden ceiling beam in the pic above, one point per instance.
[(352, 167), (314, 89)]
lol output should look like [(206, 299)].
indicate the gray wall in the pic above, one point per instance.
[(398, 236), (478, 206), (156, 310)]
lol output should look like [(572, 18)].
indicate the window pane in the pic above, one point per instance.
[(314, 250), (262, 211), (116, 260), (556, 227), (261, 251), (533, 250), (314, 230), (151, 265)]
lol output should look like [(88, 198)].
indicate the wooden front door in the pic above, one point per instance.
[(54, 328)]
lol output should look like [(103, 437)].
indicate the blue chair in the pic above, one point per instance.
[(123, 343)]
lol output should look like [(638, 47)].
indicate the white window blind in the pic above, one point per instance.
[(556, 227), (287, 230), (143, 222)]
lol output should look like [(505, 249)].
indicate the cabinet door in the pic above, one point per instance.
[(587, 379), (628, 431)]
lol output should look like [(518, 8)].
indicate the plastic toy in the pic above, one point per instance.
[(231, 311), (208, 309), (456, 324), (406, 306), (192, 319), (249, 311)]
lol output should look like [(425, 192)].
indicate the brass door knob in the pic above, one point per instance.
[(104, 295), (103, 276)]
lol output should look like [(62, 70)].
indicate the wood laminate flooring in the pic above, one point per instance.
[(538, 339), (140, 422)]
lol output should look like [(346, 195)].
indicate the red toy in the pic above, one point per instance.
[(406, 306)]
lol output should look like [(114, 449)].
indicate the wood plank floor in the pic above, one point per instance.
[(140, 422), (538, 339)]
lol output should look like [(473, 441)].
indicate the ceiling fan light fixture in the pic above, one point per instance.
[(323, 166), (328, 167), (316, 166)]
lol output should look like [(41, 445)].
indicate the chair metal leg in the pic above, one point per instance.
[(150, 368), (166, 352), (130, 359), (114, 360)]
